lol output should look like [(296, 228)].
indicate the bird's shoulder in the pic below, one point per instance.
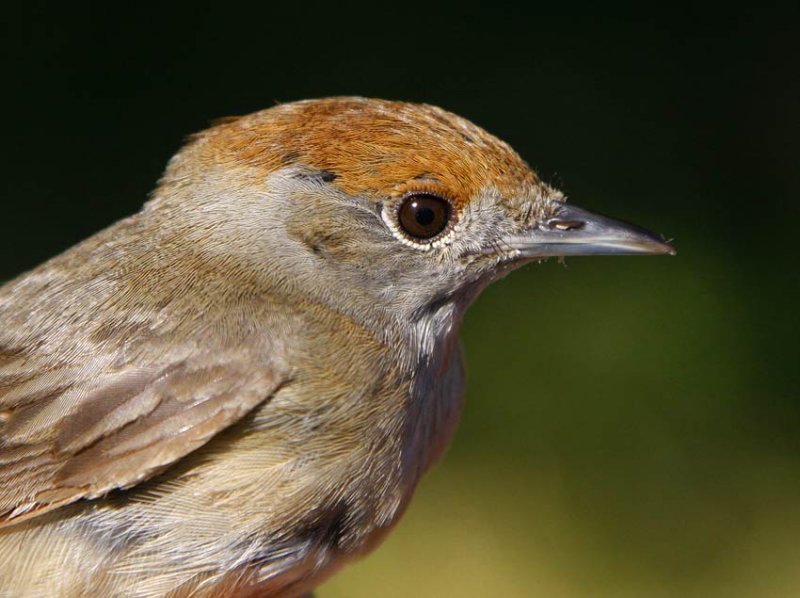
[(107, 378)]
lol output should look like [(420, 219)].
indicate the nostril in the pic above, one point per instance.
[(559, 224)]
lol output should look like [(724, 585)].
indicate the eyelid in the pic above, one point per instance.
[(390, 214)]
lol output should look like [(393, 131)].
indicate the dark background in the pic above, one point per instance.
[(631, 424)]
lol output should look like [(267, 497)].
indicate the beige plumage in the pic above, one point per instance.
[(235, 390)]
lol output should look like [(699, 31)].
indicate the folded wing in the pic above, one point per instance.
[(83, 428)]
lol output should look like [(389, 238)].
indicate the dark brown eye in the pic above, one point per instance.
[(424, 216)]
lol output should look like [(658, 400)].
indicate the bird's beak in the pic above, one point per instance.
[(574, 231)]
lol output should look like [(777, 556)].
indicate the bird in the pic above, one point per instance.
[(235, 391)]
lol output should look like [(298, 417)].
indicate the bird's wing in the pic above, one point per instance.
[(89, 422)]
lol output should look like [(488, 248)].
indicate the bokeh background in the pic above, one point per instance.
[(631, 426)]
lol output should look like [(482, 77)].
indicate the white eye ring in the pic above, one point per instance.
[(390, 214)]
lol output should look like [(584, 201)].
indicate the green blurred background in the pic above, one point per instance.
[(631, 426)]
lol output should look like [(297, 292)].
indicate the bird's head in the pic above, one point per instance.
[(354, 200)]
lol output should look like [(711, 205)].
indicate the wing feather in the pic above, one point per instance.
[(74, 443), (117, 359)]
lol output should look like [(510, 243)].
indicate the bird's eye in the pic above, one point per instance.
[(423, 216)]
